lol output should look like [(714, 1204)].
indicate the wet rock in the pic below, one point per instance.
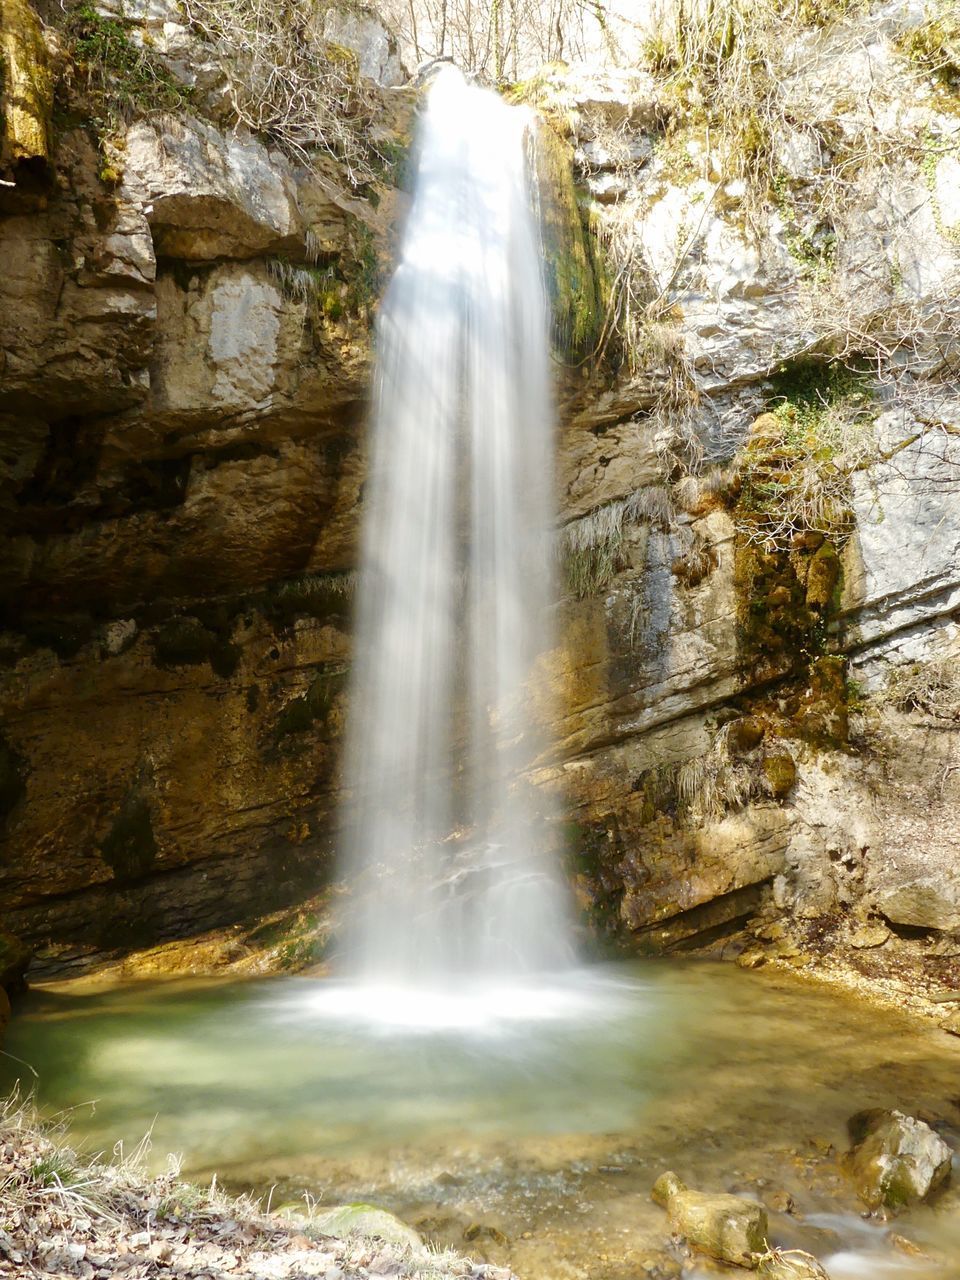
[(364, 1220), (896, 1160), (725, 1227)]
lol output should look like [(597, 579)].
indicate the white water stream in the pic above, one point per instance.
[(454, 895)]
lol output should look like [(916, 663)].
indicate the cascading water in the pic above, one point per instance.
[(445, 840)]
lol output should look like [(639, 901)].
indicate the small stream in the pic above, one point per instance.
[(531, 1133)]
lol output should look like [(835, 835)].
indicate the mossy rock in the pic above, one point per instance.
[(573, 273), (313, 707), (186, 641), (780, 771), (366, 1221), (322, 596), (744, 734), (26, 89), (823, 713), (823, 575)]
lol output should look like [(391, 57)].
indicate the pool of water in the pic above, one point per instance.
[(525, 1127)]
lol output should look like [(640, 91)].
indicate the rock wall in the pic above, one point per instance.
[(184, 357), (184, 363)]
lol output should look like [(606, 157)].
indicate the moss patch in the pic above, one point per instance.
[(313, 707), (12, 781), (130, 846), (312, 595), (186, 641), (934, 46), (573, 273)]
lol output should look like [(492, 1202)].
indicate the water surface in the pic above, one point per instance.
[(531, 1132)]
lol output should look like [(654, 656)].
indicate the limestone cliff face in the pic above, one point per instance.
[(184, 360)]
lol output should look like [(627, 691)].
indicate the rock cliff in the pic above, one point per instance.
[(759, 479)]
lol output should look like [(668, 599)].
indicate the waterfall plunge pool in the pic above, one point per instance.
[(529, 1134)]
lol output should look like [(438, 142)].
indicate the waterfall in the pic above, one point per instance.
[(444, 844)]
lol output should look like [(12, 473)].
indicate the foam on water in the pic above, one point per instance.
[(480, 1008)]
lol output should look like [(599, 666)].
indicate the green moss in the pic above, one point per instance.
[(314, 706), (573, 272), (186, 641), (780, 772), (12, 782), (810, 385), (814, 247), (347, 286), (119, 79), (396, 162), (128, 76), (934, 46), (130, 846)]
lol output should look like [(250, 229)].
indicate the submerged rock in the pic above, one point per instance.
[(722, 1226), (896, 1159), (365, 1220)]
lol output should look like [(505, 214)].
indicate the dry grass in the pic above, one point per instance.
[(723, 778), (590, 549), (931, 687), (285, 81)]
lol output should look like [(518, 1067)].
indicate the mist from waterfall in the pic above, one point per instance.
[(452, 884)]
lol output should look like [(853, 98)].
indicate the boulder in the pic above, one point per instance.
[(726, 1227), (896, 1160), (208, 195), (365, 1220), (930, 902)]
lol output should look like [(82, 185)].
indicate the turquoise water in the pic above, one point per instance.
[(536, 1127)]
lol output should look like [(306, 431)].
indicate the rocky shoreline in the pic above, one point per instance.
[(73, 1217)]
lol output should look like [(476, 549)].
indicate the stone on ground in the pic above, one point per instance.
[(722, 1226), (896, 1160)]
